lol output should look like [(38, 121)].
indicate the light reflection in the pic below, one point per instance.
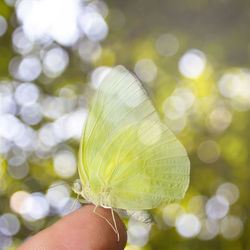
[(65, 164), (167, 45), (58, 195), (13, 67), (192, 63), (10, 2), (29, 68), (9, 224), (31, 114), (70, 206), (34, 207), (186, 95), (68, 93), (208, 151), (219, 119), (236, 86), (229, 191), (3, 25), (65, 24), (6, 87), (89, 51), (7, 104), (174, 107), (75, 123), (171, 212), (231, 227), (188, 225), (5, 145), (99, 6), (25, 139), (209, 229), (146, 70), (93, 24), (10, 126), (60, 23), (70, 99), (52, 107), (30, 105), (21, 43), (229, 85), (26, 93), (17, 200), (18, 167), (138, 233), (197, 205), (98, 75), (67, 126), (217, 207), (176, 125), (46, 138), (5, 241), (59, 128), (55, 61)]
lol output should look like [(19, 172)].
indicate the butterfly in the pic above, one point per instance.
[(129, 160)]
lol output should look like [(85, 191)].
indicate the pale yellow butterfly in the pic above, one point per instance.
[(128, 158)]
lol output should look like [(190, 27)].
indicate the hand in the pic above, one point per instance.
[(80, 230)]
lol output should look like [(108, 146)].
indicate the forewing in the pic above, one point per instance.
[(117, 104)]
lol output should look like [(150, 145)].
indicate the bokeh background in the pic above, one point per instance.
[(193, 58)]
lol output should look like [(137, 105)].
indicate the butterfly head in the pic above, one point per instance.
[(77, 186), (101, 199)]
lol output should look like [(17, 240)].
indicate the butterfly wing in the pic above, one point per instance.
[(128, 151)]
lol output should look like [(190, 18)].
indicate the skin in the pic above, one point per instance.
[(80, 230)]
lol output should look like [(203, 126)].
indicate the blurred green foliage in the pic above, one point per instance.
[(214, 128)]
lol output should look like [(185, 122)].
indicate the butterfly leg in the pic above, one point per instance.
[(74, 203), (113, 217), (84, 201), (114, 228)]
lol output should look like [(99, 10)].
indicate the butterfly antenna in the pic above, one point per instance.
[(114, 228)]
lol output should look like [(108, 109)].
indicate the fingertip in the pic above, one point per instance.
[(82, 229)]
